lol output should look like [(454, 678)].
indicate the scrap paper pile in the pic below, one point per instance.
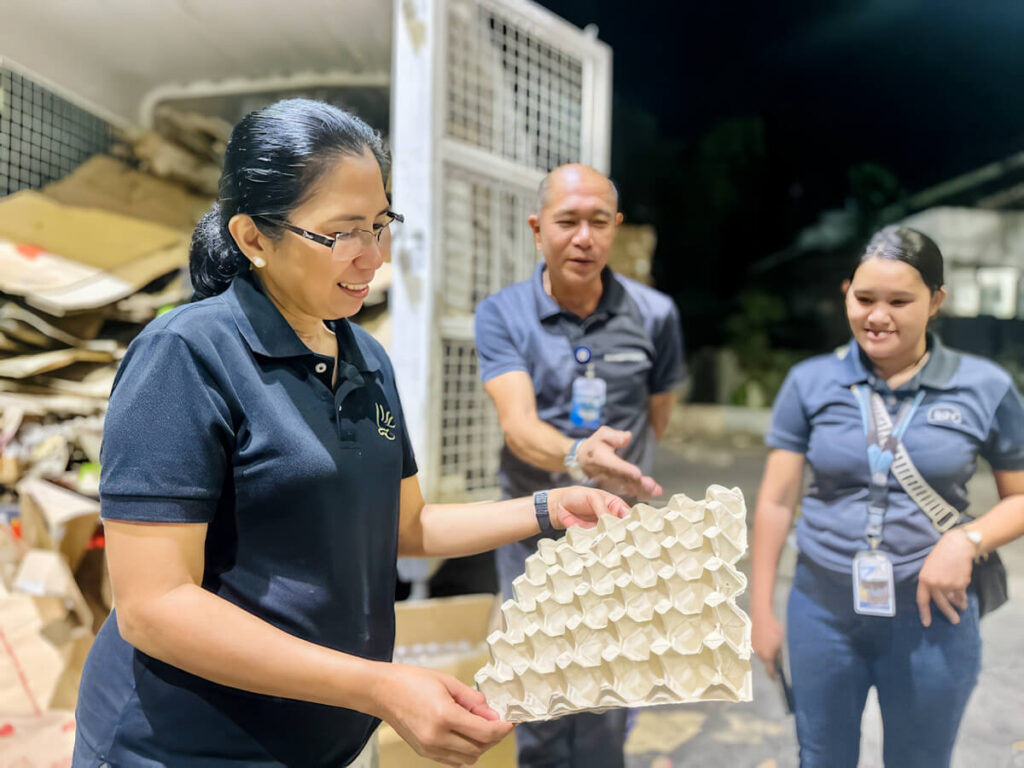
[(630, 613), (84, 263)]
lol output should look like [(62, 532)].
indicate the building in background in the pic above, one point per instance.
[(984, 255), (792, 306)]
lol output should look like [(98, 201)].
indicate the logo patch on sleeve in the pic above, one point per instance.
[(944, 413)]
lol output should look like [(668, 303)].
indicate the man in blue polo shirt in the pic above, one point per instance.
[(582, 365)]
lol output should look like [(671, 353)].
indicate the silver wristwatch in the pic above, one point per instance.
[(572, 464), (974, 537)]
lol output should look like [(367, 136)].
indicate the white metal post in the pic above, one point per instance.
[(415, 97)]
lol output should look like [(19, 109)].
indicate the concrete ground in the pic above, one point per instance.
[(759, 734)]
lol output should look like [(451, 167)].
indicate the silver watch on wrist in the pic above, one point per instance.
[(572, 464), (974, 536)]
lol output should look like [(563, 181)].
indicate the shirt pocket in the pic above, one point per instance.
[(945, 453), (627, 369)]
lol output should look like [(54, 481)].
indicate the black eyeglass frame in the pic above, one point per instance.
[(327, 240)]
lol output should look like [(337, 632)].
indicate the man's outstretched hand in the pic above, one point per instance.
[(597, 458)]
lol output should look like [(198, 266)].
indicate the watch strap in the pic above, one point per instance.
[(572, 464), (540, 506)]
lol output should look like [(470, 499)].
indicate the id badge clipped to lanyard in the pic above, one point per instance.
[(874, 592), (589, 395), (874, 589)]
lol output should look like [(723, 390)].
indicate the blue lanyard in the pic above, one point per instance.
[(880, 457)]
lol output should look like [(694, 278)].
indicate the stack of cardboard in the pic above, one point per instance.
[(71, 297), (84, 263), (46, 630), (633, 251)]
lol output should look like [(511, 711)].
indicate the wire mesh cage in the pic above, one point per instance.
[(511, 92), (470, 436), (487, 242), (488, 245), (513, 101), (43, 137)]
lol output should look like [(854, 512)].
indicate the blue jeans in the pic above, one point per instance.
[(924, 676), (575, 741)]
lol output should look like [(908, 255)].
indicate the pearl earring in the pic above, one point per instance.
[(259, 262)]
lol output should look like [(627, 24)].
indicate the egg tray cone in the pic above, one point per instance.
[(633, 612)]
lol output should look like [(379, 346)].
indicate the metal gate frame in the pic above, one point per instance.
[(544, 98)]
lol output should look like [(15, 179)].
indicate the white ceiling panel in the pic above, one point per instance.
[(113, 52)]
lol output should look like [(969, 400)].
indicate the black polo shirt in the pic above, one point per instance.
[(220, 415)]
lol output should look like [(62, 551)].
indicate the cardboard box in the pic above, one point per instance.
[(66, 259), (10, 470), (12, 549), (93, 579), (45, 635), (42, 651), (449, 634), (57, 519), (103, 182), (633, 251), (43, 741), (86, 236), (44, 573)]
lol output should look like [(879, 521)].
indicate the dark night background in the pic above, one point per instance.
[(736, 124)]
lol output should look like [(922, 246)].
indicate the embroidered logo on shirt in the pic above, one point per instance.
[(943, 413), (385, 423), (625, 357)]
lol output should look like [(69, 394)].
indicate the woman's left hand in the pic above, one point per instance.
[(944, 577), (577, 505)]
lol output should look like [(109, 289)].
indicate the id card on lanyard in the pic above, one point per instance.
[(589, 395), (874, 590)]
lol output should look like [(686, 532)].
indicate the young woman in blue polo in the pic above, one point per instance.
[(891, 427), (258, 484)]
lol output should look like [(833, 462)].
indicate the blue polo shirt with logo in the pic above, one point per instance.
[(633, 339), (221, 415), (971, 408)]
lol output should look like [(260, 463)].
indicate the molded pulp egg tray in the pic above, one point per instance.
[(633, 612)]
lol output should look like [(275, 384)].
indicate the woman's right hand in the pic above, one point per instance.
[(766, 639), (440, 717)]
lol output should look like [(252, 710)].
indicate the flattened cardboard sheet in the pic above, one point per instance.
[(106, 183)]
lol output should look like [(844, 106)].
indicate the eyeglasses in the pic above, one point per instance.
[(348, 244)]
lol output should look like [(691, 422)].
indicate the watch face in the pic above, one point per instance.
[(576, 473)]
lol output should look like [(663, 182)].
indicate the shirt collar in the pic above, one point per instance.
[(943, 363), (267, 333), (612, 295), (352, 349), (855, 368)]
